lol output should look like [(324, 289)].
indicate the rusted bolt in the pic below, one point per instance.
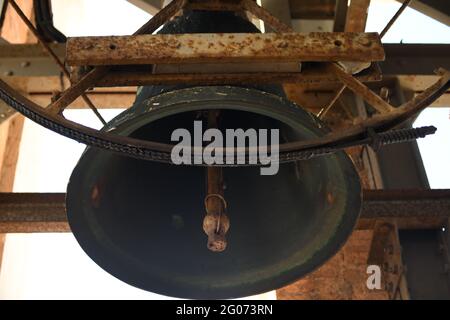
[(338, 43), (112, 46), (9, 73)]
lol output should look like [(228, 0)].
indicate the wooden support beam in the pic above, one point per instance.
[(316, 10), (13, 31), (280, 9), (20, 60), (214, 5), (29, 60), (340, 15), (233, 48), (409, 209), (357, 16), (9, 152), (102, 100), (10, 135)]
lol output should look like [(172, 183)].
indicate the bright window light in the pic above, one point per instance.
[(411, 27), (435, 149)]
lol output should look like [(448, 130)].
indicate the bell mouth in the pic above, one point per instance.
[(142, 221)]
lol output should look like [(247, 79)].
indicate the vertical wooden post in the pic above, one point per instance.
[(357, 16), (13, 30)]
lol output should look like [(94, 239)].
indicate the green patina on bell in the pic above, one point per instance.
[(142, 221)]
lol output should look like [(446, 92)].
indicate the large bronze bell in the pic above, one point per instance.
[(142, 221)]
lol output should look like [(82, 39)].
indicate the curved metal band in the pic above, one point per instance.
[(289, 152)]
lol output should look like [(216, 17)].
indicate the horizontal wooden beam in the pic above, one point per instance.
[(415, 59), (410, 209), (218, 48), (29, 60), (318, 9)]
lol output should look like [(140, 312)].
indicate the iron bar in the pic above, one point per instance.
[(394, 18)]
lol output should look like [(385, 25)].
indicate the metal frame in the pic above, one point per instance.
[(52, 117)]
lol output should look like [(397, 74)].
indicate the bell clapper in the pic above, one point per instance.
[(216, 222)]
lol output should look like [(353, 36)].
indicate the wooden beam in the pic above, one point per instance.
[(315, 10), (13, 31), (409, 209), (340, 15), (357, 16), (102, 100), (29, 59), (9, 152), (280, 9), (233, 48)]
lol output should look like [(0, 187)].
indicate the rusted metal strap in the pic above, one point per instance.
[(316, 76), (219, 48)]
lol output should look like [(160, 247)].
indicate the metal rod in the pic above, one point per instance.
[(261, 13), (325, 110), (395, 17), (359, 88), (53, 55), (216, 222)]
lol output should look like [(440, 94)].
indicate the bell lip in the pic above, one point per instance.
[(123, 121)]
